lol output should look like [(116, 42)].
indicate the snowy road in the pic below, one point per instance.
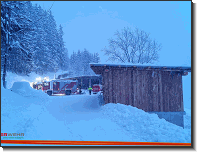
[(77, 118)]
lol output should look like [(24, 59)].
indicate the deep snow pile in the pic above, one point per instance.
[(19, 112), (148, 126), (187, 119), (23, 88), (12, 77)]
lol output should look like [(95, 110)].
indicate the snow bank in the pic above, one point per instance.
[(12, 77), (147, 126), (187, 119), (36, 117), (23, 88), (12, 107)]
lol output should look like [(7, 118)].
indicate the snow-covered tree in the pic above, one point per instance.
[(73, 63), (86, 60), (14, 25), (62, 51), (96, 58), (79, 62), (30, 40)]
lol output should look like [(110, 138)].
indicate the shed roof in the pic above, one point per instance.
[(98, 68), (88, 76)]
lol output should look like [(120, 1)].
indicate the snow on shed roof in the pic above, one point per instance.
[(95, 66), (83, 76)]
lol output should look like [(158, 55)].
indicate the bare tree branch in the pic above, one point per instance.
[(132, 46)]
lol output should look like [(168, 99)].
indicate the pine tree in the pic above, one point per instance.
[(62, 51), (79, 62), (14, 23), (66, 60), (40, 55), (52, 41), (30, 40), (73, 63), (96, 58)]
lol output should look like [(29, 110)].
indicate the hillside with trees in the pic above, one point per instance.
[(31, 41)]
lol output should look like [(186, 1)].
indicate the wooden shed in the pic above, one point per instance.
[(150, 88)]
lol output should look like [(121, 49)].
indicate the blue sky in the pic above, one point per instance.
[(90, 24)]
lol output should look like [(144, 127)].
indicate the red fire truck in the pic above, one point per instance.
[(60, 87), (37, 85), (45, 86)]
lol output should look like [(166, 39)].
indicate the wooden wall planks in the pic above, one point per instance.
[(149, 90)]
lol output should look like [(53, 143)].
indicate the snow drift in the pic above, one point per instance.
[(23, 88), (147, 126)]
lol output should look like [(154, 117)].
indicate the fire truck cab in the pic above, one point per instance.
[(45, 86)]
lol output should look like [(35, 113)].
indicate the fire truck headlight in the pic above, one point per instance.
[(46, 78)]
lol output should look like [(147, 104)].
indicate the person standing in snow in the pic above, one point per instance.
[(79, 89), (90, 89)]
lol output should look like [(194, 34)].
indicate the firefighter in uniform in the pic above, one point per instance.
[(90, 89)]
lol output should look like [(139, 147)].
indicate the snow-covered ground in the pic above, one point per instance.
[(80, 117)]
